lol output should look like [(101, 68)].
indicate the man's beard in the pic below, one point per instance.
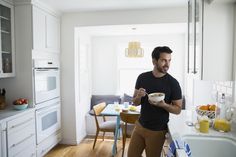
[(163, 69)]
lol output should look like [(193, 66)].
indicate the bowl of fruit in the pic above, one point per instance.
[(20, 104), (207, 110)]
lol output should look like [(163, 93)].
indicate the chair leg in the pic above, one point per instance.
[(123, 142), (103, 135), (95, 140)]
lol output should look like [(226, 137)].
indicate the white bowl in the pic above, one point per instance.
[(156, 97), (20, 107)]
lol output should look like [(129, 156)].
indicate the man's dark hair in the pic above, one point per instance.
[(160, 49)]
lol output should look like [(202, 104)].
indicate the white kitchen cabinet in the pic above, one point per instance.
[(21, 136), (211, 39), (3, 143), (39, 29), (7, 51), (52, 33), (46, 31)]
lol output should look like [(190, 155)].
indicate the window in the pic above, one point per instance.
[(130, 68)]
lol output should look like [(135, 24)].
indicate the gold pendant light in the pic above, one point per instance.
[(134, 50)]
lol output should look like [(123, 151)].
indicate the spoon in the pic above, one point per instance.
[(146, 92)]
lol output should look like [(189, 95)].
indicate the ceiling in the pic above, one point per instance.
[(138, 29), (107, 5)]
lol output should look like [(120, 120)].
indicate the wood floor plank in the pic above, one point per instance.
[(84, 149)]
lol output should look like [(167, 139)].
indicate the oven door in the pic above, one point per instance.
[(46, 84), (48, 121)]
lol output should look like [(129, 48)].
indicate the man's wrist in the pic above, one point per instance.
[(137, 100), (165, 106)]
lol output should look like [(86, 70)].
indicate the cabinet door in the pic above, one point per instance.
[(52, 33), (7, 57), (218, 41), (39, 29), (46, 31), (211, 48), (30, 151), (3, 143)]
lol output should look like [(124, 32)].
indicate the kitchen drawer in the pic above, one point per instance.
[(29, 151), (20, 123), (20, 136), (25, 144), (48, 144)]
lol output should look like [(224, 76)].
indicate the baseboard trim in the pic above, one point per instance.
[(68, 142)]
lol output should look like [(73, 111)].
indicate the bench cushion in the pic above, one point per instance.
[(127, 98), (108, 99)]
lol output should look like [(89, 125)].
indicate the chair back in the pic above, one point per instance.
[(97, 111), (129, 117), (98, 108)]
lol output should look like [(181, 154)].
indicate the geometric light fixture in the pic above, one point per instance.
[(134, 50)]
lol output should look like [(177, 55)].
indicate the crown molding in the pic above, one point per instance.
[(39, 4)]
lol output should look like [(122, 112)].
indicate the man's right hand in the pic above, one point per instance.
[(138, 94), (141, 92)]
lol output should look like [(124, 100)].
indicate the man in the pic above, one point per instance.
[(150, 129)]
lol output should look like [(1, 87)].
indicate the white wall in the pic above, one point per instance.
[(107, 49), (70, 106), (82, 74)]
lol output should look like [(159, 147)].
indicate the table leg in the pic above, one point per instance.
[(116, 136)]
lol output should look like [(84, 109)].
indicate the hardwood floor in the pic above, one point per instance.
[(84, 149)]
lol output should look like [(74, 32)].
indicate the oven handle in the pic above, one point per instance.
[(46, 70), (47, 109)]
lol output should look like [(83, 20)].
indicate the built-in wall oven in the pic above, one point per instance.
[(48, 119), (47, 98), (46, 80)]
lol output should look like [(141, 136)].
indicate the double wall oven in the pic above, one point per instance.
[(47, 98), (46, 80)]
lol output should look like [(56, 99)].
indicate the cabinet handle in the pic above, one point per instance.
[(14, 145), (14, 126), (188, 69)]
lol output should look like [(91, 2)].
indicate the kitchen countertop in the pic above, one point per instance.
[(178, 127), (10, 113)]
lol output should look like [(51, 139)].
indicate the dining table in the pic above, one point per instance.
[(114, 110)]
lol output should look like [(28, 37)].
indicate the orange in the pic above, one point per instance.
[(212, 107), (203, 107)]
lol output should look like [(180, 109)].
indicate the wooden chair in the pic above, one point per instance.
[(129, 120), (105, 126)]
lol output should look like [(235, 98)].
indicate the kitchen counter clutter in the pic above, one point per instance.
[(201, 144)]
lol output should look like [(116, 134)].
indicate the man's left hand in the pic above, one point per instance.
[(158, 104)]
